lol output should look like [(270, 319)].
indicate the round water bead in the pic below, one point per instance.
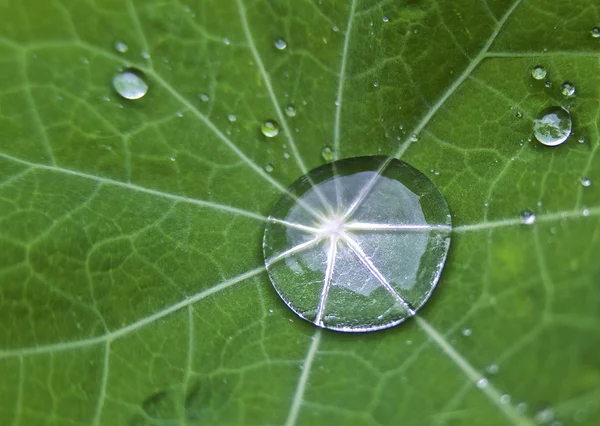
[(358, 244), (130, 84), (552, 126), (539, 72), (270, 128)]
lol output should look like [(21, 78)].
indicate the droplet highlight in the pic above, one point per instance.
[(280, 44), (358, 244), (595, 32), (121, 47), (290, 111), (527, 217), (586, 181), (552, 126), (130, 84), (270, 128)]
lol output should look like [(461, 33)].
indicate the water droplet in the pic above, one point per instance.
[(375, 84), (327, 153), (595, 32), (585, 212), (586, 181), (493, 368), (204, 97), (270, 128), (231, 118), (414, 137), (545, 416), (280, 44), (269, 168), (518, 114), (581, 139), (145, 54), (467, 332), (527, 217), (179, 114), (548, 83), (121, 47), (290, 110), (521, 407), (226, 41), (552, 126), (286, 155), (335, 28), (385, 19), (568, 89), (505, 399), (482, 383), (355, 268), (539, 72), (172, 158), (130, 84), (337, 102)]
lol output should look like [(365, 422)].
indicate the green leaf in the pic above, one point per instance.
[(132, 282)]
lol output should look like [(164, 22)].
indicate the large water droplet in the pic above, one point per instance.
[(539, 73), (280, 44), (270, 128), (527, 217), (352, 249), (552, 126), (290, 110), (568, 89), (121, 47), (130, 84), (327, 153)]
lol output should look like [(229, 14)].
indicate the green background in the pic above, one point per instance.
[(132, 286)]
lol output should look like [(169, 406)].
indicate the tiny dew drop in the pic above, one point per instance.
[(145, 54), (545, 416), (269, 168), (270, 128), (231, 118), (327, 153), (527, 217), (280, 44), (482, 383), (518, 114), (492, 369), (121, 47), (581, 139), (467, 332), (586, 181), (539, 72), (548, 83), (568, 89), (595, 32), (204, 97), (337, 248), (552, 126), (505, 399), (130, 84), (290, 110), (385, 19)]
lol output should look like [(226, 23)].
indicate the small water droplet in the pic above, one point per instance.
[(586, 181), (581, 139), (527, 217), (337, 102), (505, 399), (548, 83), (493, 368), (518, 114), (280, 44), (585, 212), (595, 32), (226, 41), (545, 416), (552, 126), (179, 114), (269, 168), (568, 89), (172, 158), (521, 407), (482, 383), (539, 72), (335, 28), (375, 84), (270, 311), (467, 332), (231, 118), (270, 128), (290, 110), (327, 153), (204, 97), (121, 47), (145, 54), (130, 84), (414, 137), (286, 155)]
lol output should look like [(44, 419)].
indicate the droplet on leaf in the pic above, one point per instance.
[(595, 32), (356, 246), (121, 47), (327, 153), (280, 44), (552, 126), (270, 128), (130, 84), (290, 110), (586, 181), (204, 97), (527, 217), (482, 383), (539, 73), (568, 89), (269, 168), (231, 118)]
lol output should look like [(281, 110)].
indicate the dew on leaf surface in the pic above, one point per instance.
[(586, 181), (327, 153), (269, 168), (121, 47), (539, 72), (527, 217), (552, 126), (568, 89), (204, 97), (130, 84), (358, 244), (280, 44), (290, 111), (595, 32), (270, 128)]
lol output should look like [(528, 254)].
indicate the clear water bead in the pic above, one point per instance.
[(290, 111), (482, 383), (358, 244), (539, 73), (204, 97), (130, 84), (586, 181), (269, 168), (327, 153), (121, 47), (527, 217), (595, 32), (568, 89), (231, 118), (552, 126), (270, 128), (280, 44)]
